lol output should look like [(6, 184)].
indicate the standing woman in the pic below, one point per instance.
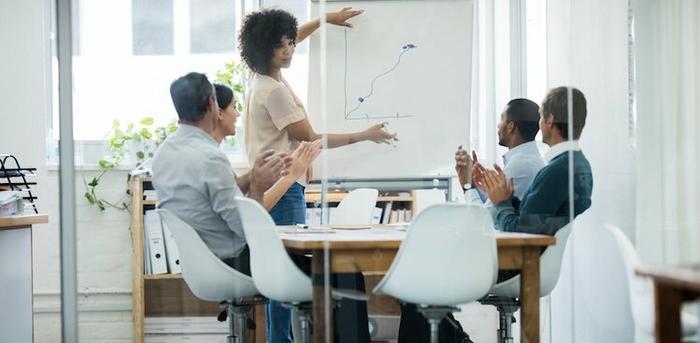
[(302, 157), (276, 119)]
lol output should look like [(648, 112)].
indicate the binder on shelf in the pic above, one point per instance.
[(377, 215), (401, 216), (394, 217), (154, 239), (171, 251), (146, 253), (387, 213)]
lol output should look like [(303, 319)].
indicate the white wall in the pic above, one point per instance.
[(587, 48)]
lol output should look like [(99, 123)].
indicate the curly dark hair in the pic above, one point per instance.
[(262, 32)]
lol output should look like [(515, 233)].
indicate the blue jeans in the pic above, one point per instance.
[(289, 210)]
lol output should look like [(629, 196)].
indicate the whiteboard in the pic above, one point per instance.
[(410, 62)]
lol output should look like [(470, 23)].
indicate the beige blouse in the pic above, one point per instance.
[(271, 107)]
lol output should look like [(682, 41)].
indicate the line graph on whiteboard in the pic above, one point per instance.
[(355, 110)]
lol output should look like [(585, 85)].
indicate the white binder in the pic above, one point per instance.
[(377, 215), (173, 255), (156, 246)]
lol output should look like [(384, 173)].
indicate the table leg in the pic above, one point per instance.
[(530, 296), (668, 313), (322, 311)]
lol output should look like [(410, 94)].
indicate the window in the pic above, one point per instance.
[(130, 52), (213, 26), (152, 24)]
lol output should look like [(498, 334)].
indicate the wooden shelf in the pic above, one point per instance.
[(158, 295), (338, 197), (162, 277), (332, 198)]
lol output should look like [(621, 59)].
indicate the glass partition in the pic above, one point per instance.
[(336, 170)]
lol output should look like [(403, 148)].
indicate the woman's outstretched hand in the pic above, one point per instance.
[(341, 17)]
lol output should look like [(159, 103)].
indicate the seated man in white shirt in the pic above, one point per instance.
[(193, 177), (517, 129)]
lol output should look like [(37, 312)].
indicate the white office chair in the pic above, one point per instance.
[(356, 208), (504, 295), (449, 258), (211, 279), (273, 271), (641, 291)]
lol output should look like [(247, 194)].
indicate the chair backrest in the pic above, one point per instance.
[(550, 267), (356, 208), (207, 276), (449, 257), (640, 289), (274, 272)]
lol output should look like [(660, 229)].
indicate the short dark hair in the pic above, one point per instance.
[(526, 115), (224, 95), (262, 32), (190, 94), (556, 104)]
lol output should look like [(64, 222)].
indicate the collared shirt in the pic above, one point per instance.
[(193, 178), (559, 148), (520, 163)]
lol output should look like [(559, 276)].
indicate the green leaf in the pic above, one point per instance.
[(100, 204), (150, 154), (89, 198), (140, 155), (145, 133), (147, 121), (115, 124), (104, 164), (129, 127)]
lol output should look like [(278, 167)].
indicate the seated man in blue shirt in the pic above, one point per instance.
[(516, 130), (547, 204), (193, 177)]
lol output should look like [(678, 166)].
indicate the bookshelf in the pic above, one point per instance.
[(166, 295), (403, 200)]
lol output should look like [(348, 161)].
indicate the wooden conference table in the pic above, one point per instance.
[(673, 285), (373, 250)]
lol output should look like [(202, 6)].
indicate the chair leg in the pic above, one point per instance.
[(305, 323), (237, 316), (505, 328), (434, 325), (506, 308), (435, 314)]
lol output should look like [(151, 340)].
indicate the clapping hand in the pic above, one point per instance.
[(267, 169), (304, 154), (494, 183), (464, 165)]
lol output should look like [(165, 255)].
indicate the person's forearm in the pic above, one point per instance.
[(341, 139), (306, 29), (243, 183), (275, 193)]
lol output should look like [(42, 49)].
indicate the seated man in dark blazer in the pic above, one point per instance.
[(547, 205)]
